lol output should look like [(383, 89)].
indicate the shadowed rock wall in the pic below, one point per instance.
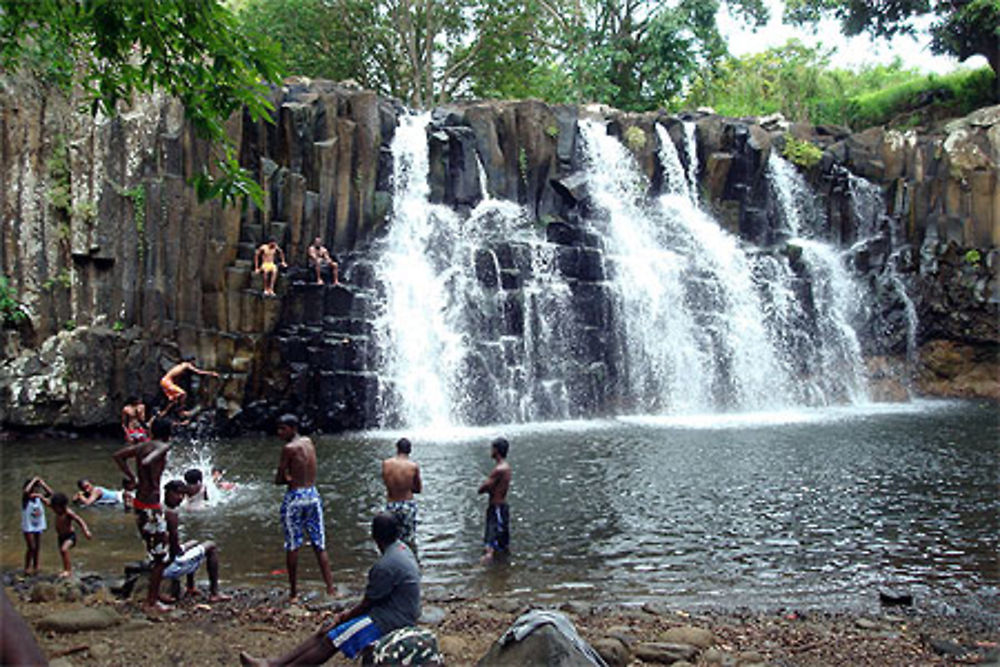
[(122, 270)]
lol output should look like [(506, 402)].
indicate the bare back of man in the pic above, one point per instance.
[(401, 477), (297, 468)]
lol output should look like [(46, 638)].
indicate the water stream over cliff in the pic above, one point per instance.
[(480, 323)]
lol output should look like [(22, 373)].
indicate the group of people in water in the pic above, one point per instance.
[(392, 594)]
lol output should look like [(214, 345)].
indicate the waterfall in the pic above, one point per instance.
[(694, 335), (867, 206), (422, 343), (484, 321), (673, 171), (691, 151), (833, 365), (461, 341)]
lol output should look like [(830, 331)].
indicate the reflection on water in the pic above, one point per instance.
[(811, 509)]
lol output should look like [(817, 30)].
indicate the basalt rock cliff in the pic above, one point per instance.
[(121, 270)]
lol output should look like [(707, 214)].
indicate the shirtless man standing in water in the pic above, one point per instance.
[(150, 460), (134, 420), (497, 536), (265, 260), (302, 507), (402, 480)]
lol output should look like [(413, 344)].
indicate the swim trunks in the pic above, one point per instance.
[(302, 512), (185, 563), (171, 390), (136, 434), (497, 535), (152, 526), (63, 537), (33, 516), (267, 267), (353, 636), (405, 512)]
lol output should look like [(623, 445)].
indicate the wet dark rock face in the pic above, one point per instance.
[(134, 272)]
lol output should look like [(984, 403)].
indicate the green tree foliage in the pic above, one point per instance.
[(424, 52), (797, 81), (114, 49), (633, 54), (794, 79), (962, 28)]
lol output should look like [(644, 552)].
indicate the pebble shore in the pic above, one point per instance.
[(262, 622)]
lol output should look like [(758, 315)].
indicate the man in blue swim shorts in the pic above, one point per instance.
[(302, 507), (391, 601)]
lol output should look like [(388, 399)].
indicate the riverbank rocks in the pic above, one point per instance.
[(541, 638), (688, 634), (665, 653), (79, 620), (614, 651)]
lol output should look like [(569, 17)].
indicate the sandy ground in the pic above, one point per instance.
[(264, 624)]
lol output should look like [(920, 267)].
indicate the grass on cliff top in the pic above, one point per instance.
[(922, 100)]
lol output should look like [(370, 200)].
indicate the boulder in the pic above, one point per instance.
[(614, 651), (541, 638), (664, 652), (78, 620), (687, 634)]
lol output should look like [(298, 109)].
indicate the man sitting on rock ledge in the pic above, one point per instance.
[(391, 601)]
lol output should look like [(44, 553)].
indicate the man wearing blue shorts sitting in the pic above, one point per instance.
[(391, 601), (186, 558)]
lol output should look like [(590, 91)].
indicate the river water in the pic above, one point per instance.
[(799, 509)]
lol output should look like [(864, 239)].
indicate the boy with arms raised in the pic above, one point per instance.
[(150, 460)]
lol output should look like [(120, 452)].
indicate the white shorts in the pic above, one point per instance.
[(186, 563)]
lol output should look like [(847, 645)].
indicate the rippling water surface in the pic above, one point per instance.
[(804, 509)]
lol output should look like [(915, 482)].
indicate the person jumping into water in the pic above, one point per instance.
[(176, 395)]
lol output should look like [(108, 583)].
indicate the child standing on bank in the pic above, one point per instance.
[(65, 517), (34, 498)]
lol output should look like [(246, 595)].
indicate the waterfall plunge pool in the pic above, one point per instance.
[(813, 508)]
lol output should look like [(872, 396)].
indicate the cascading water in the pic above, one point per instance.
[(693, 330), (673, 171), (480, 324), (457, 346), (421, 343), (832, 367), (691, 152)]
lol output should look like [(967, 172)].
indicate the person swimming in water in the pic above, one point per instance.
[(91, 494)]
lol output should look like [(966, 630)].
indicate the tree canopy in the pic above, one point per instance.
[(632, 54), (192, 49), (962, 28)]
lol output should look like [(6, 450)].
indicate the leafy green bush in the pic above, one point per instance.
[(635, 138), (961, 91), (11, 311), (797, 81), (801, 153)]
